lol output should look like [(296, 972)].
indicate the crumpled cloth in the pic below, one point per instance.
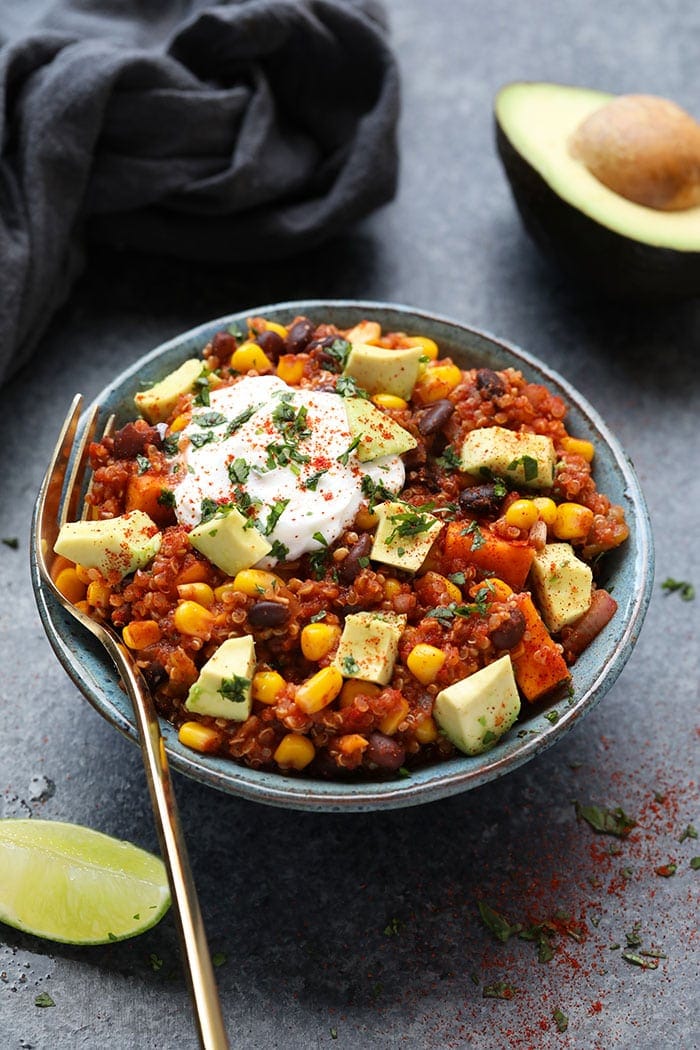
[(239, 130)]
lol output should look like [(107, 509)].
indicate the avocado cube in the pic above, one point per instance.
[(224, 686), (157, 403), (379, 370), (527, 460), (562, 585), (230, 541), (474, 712), (114, 545), (369, 646), (379, 434), (404, 535)]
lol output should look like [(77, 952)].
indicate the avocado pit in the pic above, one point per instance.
[(645, 148)]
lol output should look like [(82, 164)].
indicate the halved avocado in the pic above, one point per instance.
[(624, 249)]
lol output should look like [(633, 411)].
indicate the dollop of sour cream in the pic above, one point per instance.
[(285, 452)]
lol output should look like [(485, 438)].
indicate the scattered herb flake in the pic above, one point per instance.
[(607, 821), (218, 958), (346, 386), (235, 688), (393, 927), (633, 938), (695, 863), (350, 665), (449, 460), (560, 1019), (112, 936), (238, 470), (334, 1033), (167, 498), (155, 962), (529, 465), (202, 385), (11, 541), (682, 587), (666, 870), (499, 926), (239, 420), (498, 990), (689, 833), (338, 351), (318, 616), (552, 717), (279, 550), (312, 481), (345, 456), (143, 463), (44, 999), (275, 514), (639, 960), (476, 534)]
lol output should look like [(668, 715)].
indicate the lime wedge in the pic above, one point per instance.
[(71, 884)]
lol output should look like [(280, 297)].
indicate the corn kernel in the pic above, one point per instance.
[(197, 592), (58, 564), (353, 688), (83, 574), (573, 521), (522, 514), (365, 332), (294, 751), (197, 572), (424, 662), (249, 356), (268, 686), (392, 588), (70, 585), (437, 382), (83, 607), (179, 423), (452, 589), (290, 368), (351, 743), (499, 590), (391, 721), (318, 639), (390, 401), (579, 447), (320, 690), (98, 594), (279, 329), (546, 509), (193, 619), (426, 731), (199, 737), (140, 633), (366, 519), (428, 346), (257, 583), (225, 589)]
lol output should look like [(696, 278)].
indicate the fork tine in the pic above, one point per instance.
[(71, 497), (106, 432), (49, 498)]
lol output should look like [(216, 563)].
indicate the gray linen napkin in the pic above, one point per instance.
[(247, 129)]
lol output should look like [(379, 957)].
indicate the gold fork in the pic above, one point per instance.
[(59, 501)]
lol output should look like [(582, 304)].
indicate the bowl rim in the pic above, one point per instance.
[(429, 783)]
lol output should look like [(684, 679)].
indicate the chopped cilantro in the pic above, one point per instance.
[(235, 688), (218, 958), (166, 498), (238, 471), (345, 456), (320, 538), (208, 508), (239, 420), (199, 439), (695, 863), (529, 465), (639, 960), (11, 541), (350, 665), (499, 488), (238, 333), (449, 461), (312, 481), (318, 562), (552, 716), (279, 550), (171, 444), (209, 419), (457, 578), (338, 351), (393, 927), (202, 385), (44, 999), (689, 833), (498, 990), (411, 522), (143, 463), (155, 962), (375, 491), (607, 821), (476, 534), (682, 587), (318, 616), (499, 926), (275, 514), (666, 870), (346, 386), (560, 1019)]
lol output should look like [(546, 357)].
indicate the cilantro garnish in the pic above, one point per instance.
[(560, 1019), (346, 386), (278, 509), (239, 420), (457, 578), (171, 444), (689, 833), (449, 460), (202, 385), (279, 550), (218, 958), (445, 614), (411, 522), (684, 589), (209, 419), (552, 716), (345, 456), (11, 541), (167, 498), (498, 990), (238, 471), (318, 616), (313, 479), (44, 999), (473, 530), (208, 508), (529, 465), (320, 538), (350, 665), (375, 491), (235, 688), (338, 351), (606, 821), (237, 332), (143, 463), (198, 440), (499, 926)]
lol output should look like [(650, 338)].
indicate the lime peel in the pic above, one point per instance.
[(71, 884)]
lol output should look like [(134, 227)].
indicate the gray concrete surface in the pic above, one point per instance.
[(362, 931)]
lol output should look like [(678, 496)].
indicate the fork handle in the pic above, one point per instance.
[(200, 974)]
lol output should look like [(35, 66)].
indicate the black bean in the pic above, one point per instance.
[(414, 458), (299, 335), (490, 383), (431, 419), (133, 439), (271, 343), (351, 566), (510, 631), (384, 752), (268, 614), (223, 344), (481, 500)]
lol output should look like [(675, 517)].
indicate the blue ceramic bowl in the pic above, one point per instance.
[(629, 570)]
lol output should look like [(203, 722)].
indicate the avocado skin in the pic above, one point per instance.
[(616, 266)]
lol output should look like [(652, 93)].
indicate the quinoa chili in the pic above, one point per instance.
[(383, 525)]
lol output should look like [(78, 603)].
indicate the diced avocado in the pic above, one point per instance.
[(369, 645), (157, 403), (115, 545), (404, 535), (379, 370), (379, 435), (474, 712), (562, 585), (230, 541), (223, 689), (528, 460)]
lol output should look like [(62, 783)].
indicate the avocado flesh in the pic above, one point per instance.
[(625, 249)]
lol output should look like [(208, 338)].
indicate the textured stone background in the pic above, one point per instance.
[(361, 930)]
